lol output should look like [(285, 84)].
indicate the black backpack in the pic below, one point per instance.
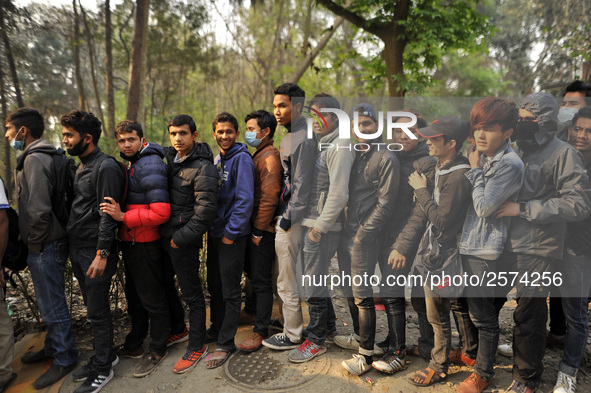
[(96, 169), (15, 257), (64, 171)]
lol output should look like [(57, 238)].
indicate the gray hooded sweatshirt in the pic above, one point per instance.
[(555, 187)]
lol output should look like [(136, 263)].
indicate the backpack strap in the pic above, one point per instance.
[(96, 169)]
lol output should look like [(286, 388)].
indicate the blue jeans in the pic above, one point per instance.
[(47, 271), (574, 290), (98, 305), (317, 256)]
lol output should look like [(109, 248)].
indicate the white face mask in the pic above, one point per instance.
[(566, 114)]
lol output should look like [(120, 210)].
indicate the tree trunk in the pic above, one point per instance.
[(7, 149), (76, 50), (136, 68), (109, 71), (393, 56), (90, 45), (10, 59)]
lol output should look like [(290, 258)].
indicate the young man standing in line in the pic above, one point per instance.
[(444, 212), (298, 154), (373, 189), (496, 176), (6, 329), (322, 226), (228, 236), (193, 189), (93, 248), (46, 237), (554, 192), (147, 207), (260, 249)]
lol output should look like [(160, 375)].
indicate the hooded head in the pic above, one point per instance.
[(545, 109)]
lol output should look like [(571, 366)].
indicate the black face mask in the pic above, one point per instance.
[(79, 148), (526, 130), (133, 158)]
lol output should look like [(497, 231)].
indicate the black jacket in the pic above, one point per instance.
[(88, 226), (370, 205), (455, 192), (193, 189)]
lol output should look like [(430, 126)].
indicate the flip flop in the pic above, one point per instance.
[(220, 361), (431, 377)]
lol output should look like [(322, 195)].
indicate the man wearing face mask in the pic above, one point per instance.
[(576, 96), (45, 235), (93, 250), (260, 249), (554, 191)]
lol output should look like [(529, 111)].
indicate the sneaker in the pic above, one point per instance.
[(307, 351), (177, 338), (457, 357), (280, 342), (252, 343), (53, 375), (190, 360), (95, 382), (506, 349), (123, 352), (391, 362), (276, 324), (473, 384), (330, 337), (34, 357), (148, 363), (565, 383), (356, 365), (85, 371), (518, 387), (347, 342)]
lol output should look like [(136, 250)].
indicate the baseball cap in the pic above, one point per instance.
[(364, 109), (451, 126)]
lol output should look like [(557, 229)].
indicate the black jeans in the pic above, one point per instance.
[(225, 263), (344, 258), (140, 318), (145, 265), (484, 315), (185, 262), (316, 261), (426, 335), (259, 267), (530, 316), (95, 292)]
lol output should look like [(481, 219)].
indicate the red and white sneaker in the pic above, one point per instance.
[(307, 351)]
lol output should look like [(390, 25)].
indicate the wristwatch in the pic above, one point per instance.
[(522, 210), (103, 253), (316, 234)]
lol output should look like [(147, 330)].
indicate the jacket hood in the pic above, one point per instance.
[(39, 146), (236, 149), (152, 149), (545, 108), (201, 150)]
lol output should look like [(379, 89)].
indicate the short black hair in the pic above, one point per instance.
[(27, 117), (578, 86), (324, 100), (180, 120), (295, 93), (84, 123), (584, 112), (264, 119), (225, 117), (129, 126), (447, 139)]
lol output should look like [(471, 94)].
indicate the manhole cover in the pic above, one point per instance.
[(270, 370)]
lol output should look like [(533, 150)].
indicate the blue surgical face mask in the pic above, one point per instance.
[(566, 114), (251, 138), (17, 145)]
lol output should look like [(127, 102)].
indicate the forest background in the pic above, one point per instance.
[(148, 60)]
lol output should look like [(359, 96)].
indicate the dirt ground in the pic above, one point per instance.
[(330, 374)]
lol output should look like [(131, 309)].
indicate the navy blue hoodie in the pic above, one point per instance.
[(236, 193)]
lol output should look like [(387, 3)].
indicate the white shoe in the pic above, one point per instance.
[(506, 350), (356, 365), (347, 342), (565, 383)]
